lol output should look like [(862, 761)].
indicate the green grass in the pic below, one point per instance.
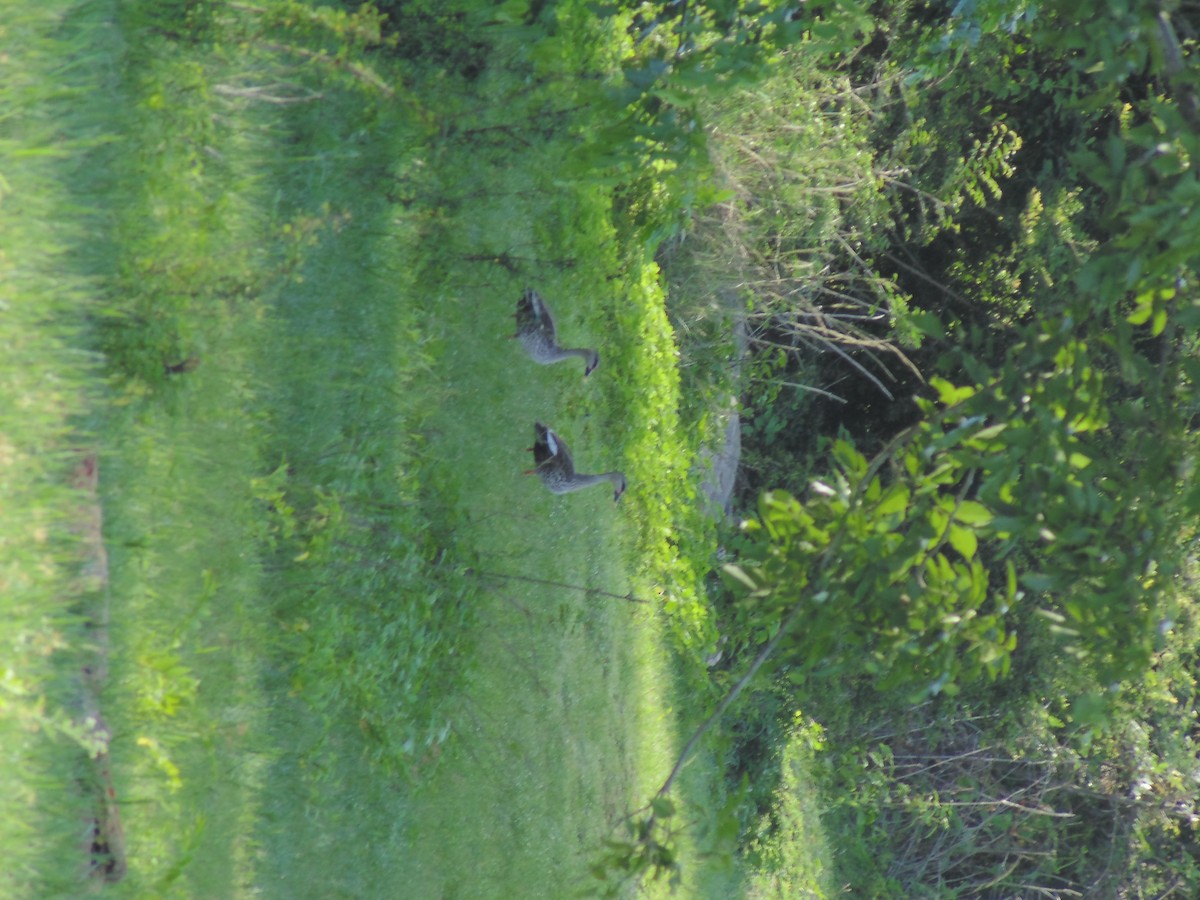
[(47, 383), (319, 684)]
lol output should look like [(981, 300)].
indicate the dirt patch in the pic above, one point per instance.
[(104, 841)]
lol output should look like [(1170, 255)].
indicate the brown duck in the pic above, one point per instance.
[(537, 334), (557, 470)]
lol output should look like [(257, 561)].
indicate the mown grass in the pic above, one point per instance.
[(324, 678)]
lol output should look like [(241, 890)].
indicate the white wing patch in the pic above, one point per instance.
[(551, 442)]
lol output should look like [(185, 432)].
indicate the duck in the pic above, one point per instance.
[(557, 470), (535, 330)]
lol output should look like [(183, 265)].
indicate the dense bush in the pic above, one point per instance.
[(1006, 191)]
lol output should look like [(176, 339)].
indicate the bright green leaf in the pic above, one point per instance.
[(1141, 315), (894, 501), (964, 541), (949, 394), (971, 512), (1160, 322)]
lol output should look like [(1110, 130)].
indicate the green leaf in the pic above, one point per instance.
[(663, 807), (1079, 461), (1090, 709), (986, 434), (971, 512), (739, 574), (1160, 322), (964, 541), (849, 458), (928, 324), (948, 393), (1141, 315), (894, 501), (1036, 581), (513, 12)]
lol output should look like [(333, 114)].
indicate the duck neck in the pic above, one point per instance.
[(579, 482), (560, 353)]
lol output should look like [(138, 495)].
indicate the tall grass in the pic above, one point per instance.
[(183, 315), (46, 382)]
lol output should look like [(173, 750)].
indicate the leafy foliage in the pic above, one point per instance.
[(1059, 420), (1019, 540), (886, 573)]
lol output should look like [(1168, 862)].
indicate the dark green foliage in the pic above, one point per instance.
[(178, 20), (1029, 513), (928, 797), (452, 35), (885, 570), (755, 741), (1067, 402)]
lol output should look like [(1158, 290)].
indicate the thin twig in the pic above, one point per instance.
[(733, 694), (813, 390), (571, 587), (263, 93), (834, 348)]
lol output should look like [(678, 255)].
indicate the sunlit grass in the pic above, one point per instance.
[(311, 435), (788, 856), (561, 730)]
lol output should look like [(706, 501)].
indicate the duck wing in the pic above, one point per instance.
[(550, 449), (533, 313)]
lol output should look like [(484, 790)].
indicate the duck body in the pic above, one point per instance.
[(556, 468), (539, 337)]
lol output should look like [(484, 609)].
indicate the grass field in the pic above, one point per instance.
[(273, 299)]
